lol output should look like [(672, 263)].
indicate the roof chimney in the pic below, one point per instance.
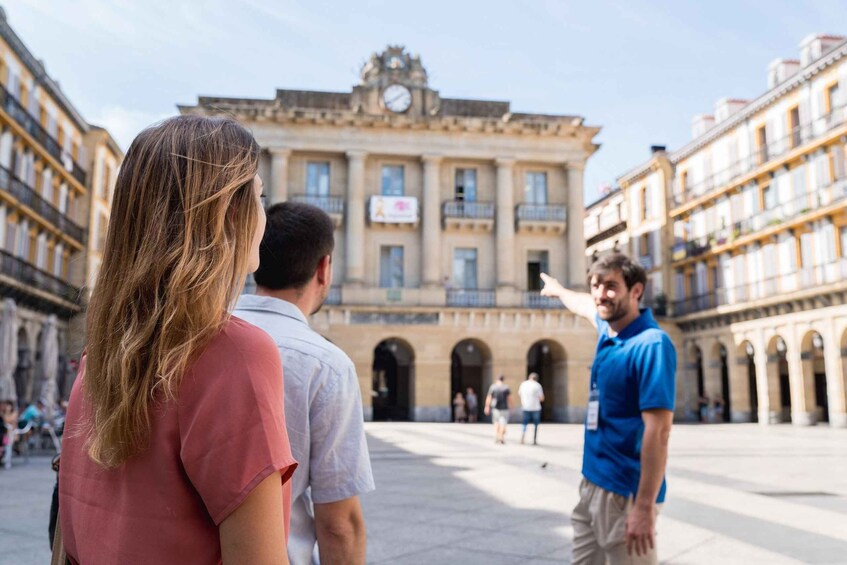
[(816, 45), (780, 70), (657, 149), (701, 124), (725, 107)]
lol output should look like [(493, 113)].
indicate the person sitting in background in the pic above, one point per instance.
[(33, 413)]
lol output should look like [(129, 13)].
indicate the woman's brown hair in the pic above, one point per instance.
[(176, 255)]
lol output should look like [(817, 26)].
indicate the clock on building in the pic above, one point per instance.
[(397, 98)]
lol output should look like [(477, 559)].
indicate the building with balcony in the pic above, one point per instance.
[(755, 245), (446, 211), (45, 210)]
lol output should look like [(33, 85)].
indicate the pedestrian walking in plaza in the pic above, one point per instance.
[(178, 452), (472, 404), (531, 395), (498, 402), (459, 408), (323, 402), (629, 416)]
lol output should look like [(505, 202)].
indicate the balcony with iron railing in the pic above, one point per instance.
[(762, 158), (332, 205), (28, 197), (18, 113), (533, 299), (471, 298), (541, 217), (459, 214), (32, 277), (783, 213), (778, 285)]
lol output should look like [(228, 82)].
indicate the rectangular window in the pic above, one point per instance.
[(838, 167), (798, 181), (464, 268), (465, 185), (57, 260), (317, 178), (537, 262), (832, 97), (391, 266), (392, 180), (762, 142), (769, 198), (794, 126), (644, 204), (535, 191), (842, 234)]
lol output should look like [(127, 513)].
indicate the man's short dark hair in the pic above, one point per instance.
[(618, 262), (297, 237)]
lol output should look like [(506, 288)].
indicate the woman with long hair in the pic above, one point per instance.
[(175, 445)]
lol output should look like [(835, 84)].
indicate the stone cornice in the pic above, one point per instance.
[(809, 299), (771, 96), (268, 111)]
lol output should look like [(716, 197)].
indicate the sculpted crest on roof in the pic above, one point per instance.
[(394, 65)]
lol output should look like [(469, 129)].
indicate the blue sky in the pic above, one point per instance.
[(639, 69)]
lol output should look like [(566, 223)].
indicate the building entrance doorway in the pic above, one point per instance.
[(393, 376)]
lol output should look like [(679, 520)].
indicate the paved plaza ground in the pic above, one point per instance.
[(447, 494)]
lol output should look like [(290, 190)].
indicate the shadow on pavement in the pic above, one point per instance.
[(426, 512)]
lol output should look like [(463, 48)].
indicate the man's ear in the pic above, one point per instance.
[(638, 290), (324, 270)]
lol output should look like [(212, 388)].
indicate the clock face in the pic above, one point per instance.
[(397, 98)]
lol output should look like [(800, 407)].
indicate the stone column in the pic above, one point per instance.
[(739, 387), (279, 175), (801, 414), (576, 231), (768, 412), (505, 224), (431, 228), (354, 237), (833, 359)]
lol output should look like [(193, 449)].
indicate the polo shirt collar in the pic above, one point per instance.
[(270, 304), (644, 321)]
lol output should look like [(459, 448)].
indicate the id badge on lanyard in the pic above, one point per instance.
[(593, 415)]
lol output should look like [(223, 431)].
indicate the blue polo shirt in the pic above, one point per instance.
[(633, 371)]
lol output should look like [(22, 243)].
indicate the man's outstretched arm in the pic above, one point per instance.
[(579, 303)]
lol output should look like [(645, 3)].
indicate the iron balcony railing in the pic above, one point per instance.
[(333, 297), (470, 210), (541, 212), (27, 196), (784, 212), (471, 298), (533, 299), (329, 204), (798, 136), (18, 113), (33, 277), (799, 279)]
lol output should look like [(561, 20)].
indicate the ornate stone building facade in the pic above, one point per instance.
[(446, 211), (47, 153), (753, 231)]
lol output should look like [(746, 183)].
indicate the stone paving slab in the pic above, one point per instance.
[(737, 494)]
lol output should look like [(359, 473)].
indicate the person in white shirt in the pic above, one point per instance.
[(323, 403), (532, 395)]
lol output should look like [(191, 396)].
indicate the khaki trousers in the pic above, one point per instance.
[(599, 529)]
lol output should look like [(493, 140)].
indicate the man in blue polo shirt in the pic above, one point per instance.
[(629, 417)]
